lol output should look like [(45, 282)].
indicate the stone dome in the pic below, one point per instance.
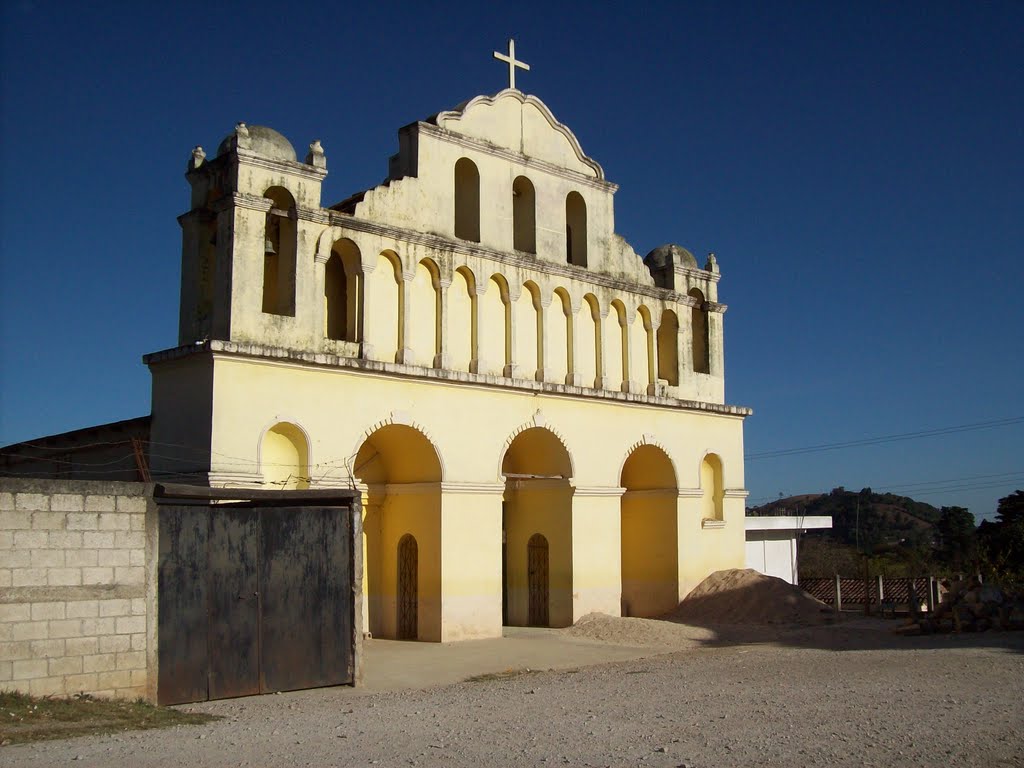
[(263, 141), (670, 254)]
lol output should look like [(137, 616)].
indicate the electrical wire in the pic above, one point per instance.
[(917, 435)]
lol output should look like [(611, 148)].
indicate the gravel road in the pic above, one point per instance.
[(807, 697)]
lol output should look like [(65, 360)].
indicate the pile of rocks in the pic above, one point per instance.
[(970, 606)]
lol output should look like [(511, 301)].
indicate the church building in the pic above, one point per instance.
[(534, 413)]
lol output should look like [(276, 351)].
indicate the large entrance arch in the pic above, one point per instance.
[(650, 550), (537, 524), (400, 472)]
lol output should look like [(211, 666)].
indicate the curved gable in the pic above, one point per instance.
[(522, 123)]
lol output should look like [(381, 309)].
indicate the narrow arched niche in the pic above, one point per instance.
[(668, 348), (576, 229), (524, 215), (343, 292), (699, 331), (712, 488), (279, 253), (467, 200)]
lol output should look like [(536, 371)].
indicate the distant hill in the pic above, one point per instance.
[(884, 520)]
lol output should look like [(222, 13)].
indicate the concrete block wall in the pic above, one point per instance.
[(77, 588)]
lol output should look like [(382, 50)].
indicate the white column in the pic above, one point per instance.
[(441, 358), (628, 385), (366, 324), (600, 363), (511, 369), (572, 378), (405, 354), (542, 318), (652, 357), (478, 364)]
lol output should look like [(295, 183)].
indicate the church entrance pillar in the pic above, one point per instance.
[(596, 551), (471, 560)]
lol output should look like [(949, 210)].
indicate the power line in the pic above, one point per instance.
[(886, 439)]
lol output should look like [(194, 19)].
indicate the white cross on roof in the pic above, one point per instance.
[(512, 62)]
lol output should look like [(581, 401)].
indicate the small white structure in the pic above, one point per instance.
[(771, 543)]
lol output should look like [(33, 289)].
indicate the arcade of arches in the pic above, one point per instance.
[(428, 559)]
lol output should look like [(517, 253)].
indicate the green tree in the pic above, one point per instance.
[(958, 538), (1002, 541)]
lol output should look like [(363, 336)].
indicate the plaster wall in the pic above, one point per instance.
[(773, 553), (460, 572)]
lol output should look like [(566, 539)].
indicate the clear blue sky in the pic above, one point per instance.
[(858, 168)]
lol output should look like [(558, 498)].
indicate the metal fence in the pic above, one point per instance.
[(877, 592)]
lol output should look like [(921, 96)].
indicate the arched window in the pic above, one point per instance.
[(712, 488), (668, 351), (524, 215), (699, 330), (467, 200), (343, 292), (576, 229), (279, 244)]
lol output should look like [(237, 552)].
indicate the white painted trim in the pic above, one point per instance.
[(598, 491), (787, 523)]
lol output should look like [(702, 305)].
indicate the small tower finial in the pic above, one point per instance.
[(198, 156), (316, 156)]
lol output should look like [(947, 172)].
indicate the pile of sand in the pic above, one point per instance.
[(744, 596), (637, 632)]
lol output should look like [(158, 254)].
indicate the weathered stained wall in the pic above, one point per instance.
[(77, 588)]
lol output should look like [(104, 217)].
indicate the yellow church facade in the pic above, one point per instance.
[(533, 413)]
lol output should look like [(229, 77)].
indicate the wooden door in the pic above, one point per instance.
[(537, 580), (305, 595), (253, 600), (408, 587), (233, 602), (182, 613)]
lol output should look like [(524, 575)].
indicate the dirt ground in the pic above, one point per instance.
[(847, 695)]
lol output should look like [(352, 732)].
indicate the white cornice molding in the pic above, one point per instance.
[(248, 157), (651, 493), (736, 493), (600, 491), (537, 483), (709, 524), (301, 359)]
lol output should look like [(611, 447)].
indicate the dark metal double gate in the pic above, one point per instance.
[(255, 596)]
